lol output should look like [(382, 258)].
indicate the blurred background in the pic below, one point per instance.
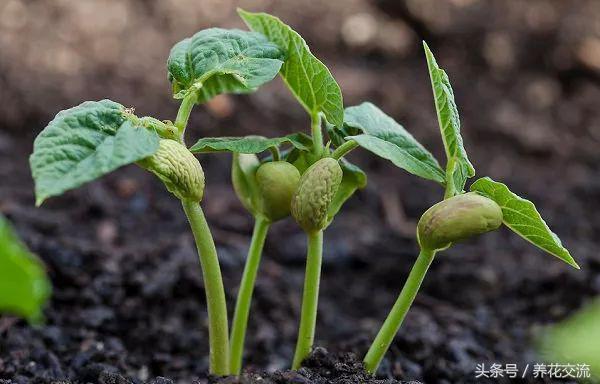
[(526, 75)]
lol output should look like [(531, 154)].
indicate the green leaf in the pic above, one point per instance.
[(337, 135), (458, 167), (247, 144), (300, 141), (305, 75), (85, 142), (574, 340), (301, 144), (216, 60), (243, 177), (353, 178), (522, 217), (383, 136), (24, 286)]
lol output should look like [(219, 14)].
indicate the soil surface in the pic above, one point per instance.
[(128, 303)]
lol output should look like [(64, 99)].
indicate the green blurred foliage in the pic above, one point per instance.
[(575, 340), (24, 286)]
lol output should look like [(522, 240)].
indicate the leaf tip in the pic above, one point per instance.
[(573, 263), (245, 14), (431, 62), (39, 200), (427, 50)]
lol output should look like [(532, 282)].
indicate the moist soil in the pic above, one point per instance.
[(128, 304)]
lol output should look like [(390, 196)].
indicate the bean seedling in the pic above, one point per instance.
[(327, 179), (303, 175), (86, 142), (461, 215)]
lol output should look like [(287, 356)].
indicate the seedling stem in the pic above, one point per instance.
[(164, 130), (275, 153), (394, 320), (244, 299), (317, 133), (310, 297), (213, 286)]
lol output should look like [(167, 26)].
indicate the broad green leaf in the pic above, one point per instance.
[(246, 144), (214, 86), (353, 178), (85, 142), (383, 136), (24, 286), (243, 177), (305, 75), (522, 217), (216, 60), (458, 167)]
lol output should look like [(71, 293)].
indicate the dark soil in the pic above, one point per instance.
[(128, 302)]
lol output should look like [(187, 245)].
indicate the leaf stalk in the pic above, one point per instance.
[(344, 149), (183, 114)]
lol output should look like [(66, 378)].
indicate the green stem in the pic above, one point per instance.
[(449, 191), (344, 149), (394, 320), (183, 114), (164, 130), (310, 298), (242, 306), (213, 286), (275, 153), (317, 134)]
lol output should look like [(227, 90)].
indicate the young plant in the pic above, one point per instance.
[(327, 179), (461, 215), (311, 179), (260, 188), (268, 189), (265, 190), (24, 286), (86, 142)]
